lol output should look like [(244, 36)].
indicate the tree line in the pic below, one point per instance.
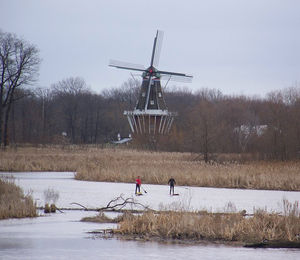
[(208, 122), (267, 128)]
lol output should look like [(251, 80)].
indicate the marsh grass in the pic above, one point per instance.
[(13, 203), (212, 227), (123, 165), (230, 225), (102, 218)]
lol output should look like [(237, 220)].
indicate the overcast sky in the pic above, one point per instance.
[(236, 46)]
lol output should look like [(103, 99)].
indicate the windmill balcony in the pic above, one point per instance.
[(152, 122)]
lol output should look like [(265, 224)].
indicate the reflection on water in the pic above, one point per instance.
[(63, 236)]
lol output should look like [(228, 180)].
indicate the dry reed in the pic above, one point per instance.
[(123, 165), (102, 218), (212, 227), (13, 204)]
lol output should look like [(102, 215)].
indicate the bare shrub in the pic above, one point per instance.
[(51, 196), (230, 207)]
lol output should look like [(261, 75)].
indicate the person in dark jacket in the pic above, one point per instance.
[(172, 183)]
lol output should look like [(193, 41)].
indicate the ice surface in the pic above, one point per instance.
[(62, 236), (98, 194)]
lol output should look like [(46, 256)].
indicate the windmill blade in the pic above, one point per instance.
[(176, 78), (174, 73), (126, 65), (157, 48)]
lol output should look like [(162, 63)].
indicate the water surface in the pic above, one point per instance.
[(63, 236)]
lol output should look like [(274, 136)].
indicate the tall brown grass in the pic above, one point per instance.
[(224, 227), (123, 165), (13, 203), (40, 159)]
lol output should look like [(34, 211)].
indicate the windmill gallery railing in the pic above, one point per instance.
[(151, 122)]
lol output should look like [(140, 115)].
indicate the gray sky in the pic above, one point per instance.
[(237, 46)]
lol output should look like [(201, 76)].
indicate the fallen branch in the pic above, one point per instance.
[(96, 209), (60, 210), (119, 203), (75, 203)]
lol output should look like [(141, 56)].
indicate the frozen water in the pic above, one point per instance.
[(62, 236), (98, 194)]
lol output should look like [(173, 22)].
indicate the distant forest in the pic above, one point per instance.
[(208, 122)]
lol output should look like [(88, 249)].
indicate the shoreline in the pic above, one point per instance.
[(109, 233), (150, 183)]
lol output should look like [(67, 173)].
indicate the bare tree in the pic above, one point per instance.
[(19, 64), (45, 103), (203, 128), (70, 95)]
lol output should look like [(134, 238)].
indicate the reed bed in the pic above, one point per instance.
[(213, 227), (158, 167), (124, 165), (102, 218), (13, 203)]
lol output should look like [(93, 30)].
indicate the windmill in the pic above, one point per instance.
[(150, 115)]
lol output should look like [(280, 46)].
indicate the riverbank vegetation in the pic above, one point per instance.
[(232, 227), (123, 165), (281, 228), (13, 203), (268, 229)]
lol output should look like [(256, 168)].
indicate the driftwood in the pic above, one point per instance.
[(120, 202), (85, 208), (118, 205)]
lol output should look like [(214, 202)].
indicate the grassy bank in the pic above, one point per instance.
[(212, 227), (13, 203), (181, 225), (121, 165)]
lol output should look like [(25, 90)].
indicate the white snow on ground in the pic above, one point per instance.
[(98, 194)]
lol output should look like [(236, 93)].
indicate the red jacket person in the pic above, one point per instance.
[(138, 184)]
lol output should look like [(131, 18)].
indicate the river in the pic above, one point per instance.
[(63, 236)]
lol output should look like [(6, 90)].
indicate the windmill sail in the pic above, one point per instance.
[(157, 48), (126, 65), (176, 78)]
